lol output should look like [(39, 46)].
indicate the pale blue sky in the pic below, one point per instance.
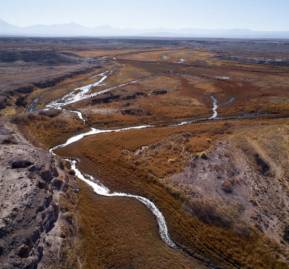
[(140, 14)]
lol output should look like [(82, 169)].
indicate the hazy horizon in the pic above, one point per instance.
[(257, 15)]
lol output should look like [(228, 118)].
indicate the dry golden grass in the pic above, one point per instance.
[(108, 52), (104, 157), (48, 132), (122, 233), (173, 55)]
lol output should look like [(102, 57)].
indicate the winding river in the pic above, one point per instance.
[(85, 93), (214, 108)]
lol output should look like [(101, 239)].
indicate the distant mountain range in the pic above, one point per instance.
[(76, 30)]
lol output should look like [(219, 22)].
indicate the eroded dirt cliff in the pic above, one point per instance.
[(35, 230)]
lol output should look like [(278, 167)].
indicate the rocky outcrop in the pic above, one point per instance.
[(31, 216), (54, 81), (20, 164)]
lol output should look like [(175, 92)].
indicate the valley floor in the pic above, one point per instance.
[(213, 157)]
